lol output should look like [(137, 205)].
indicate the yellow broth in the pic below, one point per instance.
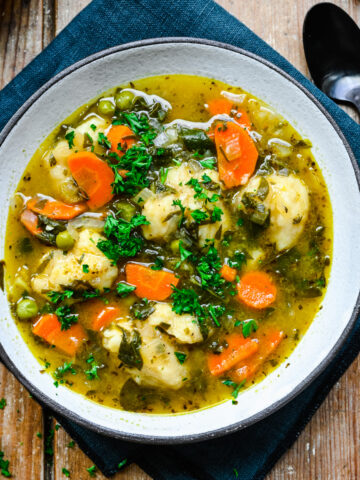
[(292, 313)]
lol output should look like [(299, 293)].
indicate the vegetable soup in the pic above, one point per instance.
[(168, 245)]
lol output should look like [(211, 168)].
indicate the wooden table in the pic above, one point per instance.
[(329, 448)]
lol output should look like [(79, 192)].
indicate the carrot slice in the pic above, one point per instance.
[(68, 341), (94, 176), (236, 153), (245, 370), (55, 209), (228, 273), (224, 106), (257, 290), (105, 317), (123, 136), (150, 284), (238, 349), (30, 222)]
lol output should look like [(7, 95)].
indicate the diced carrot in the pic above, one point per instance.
[(123, 173), (236, 153), (105, 317), (238, 349), (225, 106), (245, 370), (123, 136), (30, 222), (55, 209), (228, 273), (150, 284), (256, 289), (93, 176), (68, 341)]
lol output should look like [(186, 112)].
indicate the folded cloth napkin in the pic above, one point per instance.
[(250, 453)]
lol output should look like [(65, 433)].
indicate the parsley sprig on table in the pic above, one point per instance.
[(4, 466), (123, 239)]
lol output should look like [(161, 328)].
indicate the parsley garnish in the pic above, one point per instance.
[(208, 268), (184, 254), (66, 472), (158, 264), (2, 404), (139, 124), (71, 444), (122, 238), (208, 163), (66, 317), (177, 203), (103, 140), (194, 183), (70, 138), (85, 268), (123, 289), (206, 179), (93, 127), (91, 293), (238, 260), (4, 466), (199, 216), (91, 471), (92, 374), (236, 386), (216, 214), (181, 357), (63, 370), (122, 464), (56, 297), (186, 300), (163, 174), (248, 326)]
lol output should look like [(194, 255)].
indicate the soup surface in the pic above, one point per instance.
[(168, 245)]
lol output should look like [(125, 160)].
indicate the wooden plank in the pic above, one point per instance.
[(65, 11), (23, 34)]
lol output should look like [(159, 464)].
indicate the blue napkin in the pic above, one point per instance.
[(251, 453)]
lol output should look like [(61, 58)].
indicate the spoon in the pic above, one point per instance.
[(332, 49)]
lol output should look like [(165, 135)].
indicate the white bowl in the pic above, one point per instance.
[(87, 79)]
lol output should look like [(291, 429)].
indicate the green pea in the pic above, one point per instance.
[(126, 210), (174, 245), (106, 107), (124, 100), (26, 308), (64, 240)]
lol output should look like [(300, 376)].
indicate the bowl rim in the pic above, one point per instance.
[(47, 401)]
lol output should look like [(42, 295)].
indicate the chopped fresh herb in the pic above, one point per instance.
[(123, 289), (85, 268), (4, 466), (49, 443), (66, 317), (216, 214), (208, 268), (181, 357), (2, 404), (163, 174), (236, 386), (206, 179), (67, 367), (240, 222), (235, 473), (195, 184), (122, 238), (89, 137), (214, 198), (238, 260), (57, 427), (139, 124), (93, 127), (186, 301), (91, 293), (103, 140), (178, 203), (216, 311), (66, 472), (199, 216), (184, 254), (122, 464), (91, 471), (70, 138), (92, 374), (71, 444), (158, 264), (208, 163), (39, 435), (249, 326), (56, 297)]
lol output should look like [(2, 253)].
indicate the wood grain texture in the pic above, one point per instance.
[(329, 447)]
